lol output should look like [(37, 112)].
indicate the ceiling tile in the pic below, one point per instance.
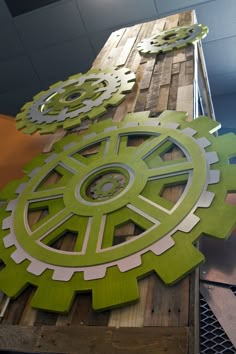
[(10, 44), (5, 15), (223, 84), (220, 19), (50, 25), (104, 14), (173, 5), (60, 61), (98, 39), (225, 107), (12, 101), (15, 73), (225, 130), (220, 56), (219, 16)]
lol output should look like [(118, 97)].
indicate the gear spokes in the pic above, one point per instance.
[(108, 190), (66, 104)]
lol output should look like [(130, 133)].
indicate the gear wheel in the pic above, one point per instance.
[(174, 38), (67, 103), (128, 183)]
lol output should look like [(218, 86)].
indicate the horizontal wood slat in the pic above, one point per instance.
[(91, 340)]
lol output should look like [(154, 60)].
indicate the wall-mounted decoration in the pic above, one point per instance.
[(82, 96), (110, 195), (174, 38)]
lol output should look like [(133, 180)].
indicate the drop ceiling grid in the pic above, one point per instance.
[(60, 39)]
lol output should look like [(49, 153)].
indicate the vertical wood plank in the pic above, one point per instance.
[(172, 21), (185, 99), (112, 42), (168, 306), (126, 51), (132, 316), (163, 97)]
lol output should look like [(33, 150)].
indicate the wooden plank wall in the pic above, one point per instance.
[(163, 321)]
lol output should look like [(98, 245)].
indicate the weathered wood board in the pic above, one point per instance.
[(164, 320)]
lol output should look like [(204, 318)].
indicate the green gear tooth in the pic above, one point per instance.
[(20, 125), (76, 76), (230, 173), (104, 183), (71, 123), (12, 288), (223, 219), (18, 117), (166, 50), (115, 290), (133, 116), (205, 124), (66, 104), (227, 143), (59, 298), (10, 188), (128, 88), (131, 76), (167, 117), (38, 161), (184, 256), (30, 130), (98, 112), (58, 146), (174, 38), (36, 97), (55, 85), (49, 130), (116, 98), (25, 107), (181, 46)]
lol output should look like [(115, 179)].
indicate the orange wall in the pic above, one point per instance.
[(16, 149)]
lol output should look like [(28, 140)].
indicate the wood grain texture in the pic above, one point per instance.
[(93, 340), (125, 51), (132, 316), (168, 306), (185, 99), (19, 338)]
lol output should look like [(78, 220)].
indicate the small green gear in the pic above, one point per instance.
[(97, 193), (107, 185), (82, 96), (174, 38)]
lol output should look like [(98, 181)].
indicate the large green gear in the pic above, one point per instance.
[(174, 38), (82, 96), (105, 183)]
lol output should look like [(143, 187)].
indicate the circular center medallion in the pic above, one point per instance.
[(73, 96), (106, 186)]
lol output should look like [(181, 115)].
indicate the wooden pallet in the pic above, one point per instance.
[(165, 320)]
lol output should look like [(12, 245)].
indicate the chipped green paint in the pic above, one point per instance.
[(174, 38), (66, 104), (100, 191)]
